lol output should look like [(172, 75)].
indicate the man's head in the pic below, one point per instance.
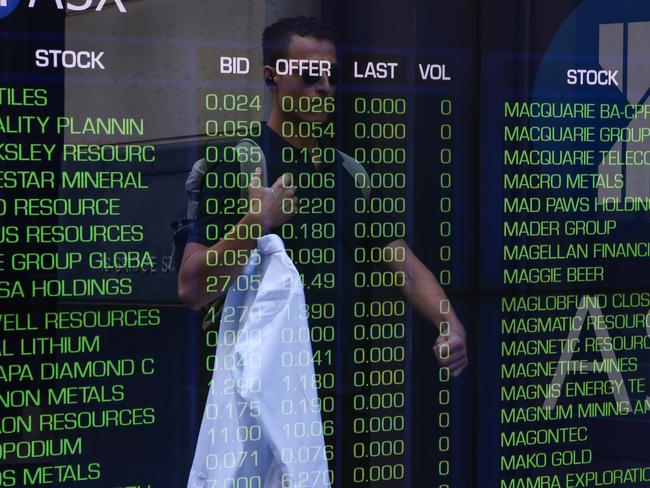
[(300, 68)]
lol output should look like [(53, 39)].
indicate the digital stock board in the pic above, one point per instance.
[(296, 244)]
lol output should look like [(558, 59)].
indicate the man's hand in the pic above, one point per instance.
[(451, 349), (272, 207)]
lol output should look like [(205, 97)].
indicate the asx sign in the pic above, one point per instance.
[(626, 46), (8, 6)]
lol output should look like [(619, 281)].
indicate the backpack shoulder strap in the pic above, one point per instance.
[(193, 186), (358, 173), (251, 157)]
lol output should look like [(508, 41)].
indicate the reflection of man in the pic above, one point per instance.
[(299, 98)]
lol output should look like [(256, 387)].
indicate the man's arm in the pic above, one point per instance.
[(193, 276), (422, 291), (195, 288)]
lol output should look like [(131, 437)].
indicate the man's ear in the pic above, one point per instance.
[(269, 78)]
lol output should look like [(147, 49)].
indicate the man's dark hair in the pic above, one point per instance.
[(277, 36)]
